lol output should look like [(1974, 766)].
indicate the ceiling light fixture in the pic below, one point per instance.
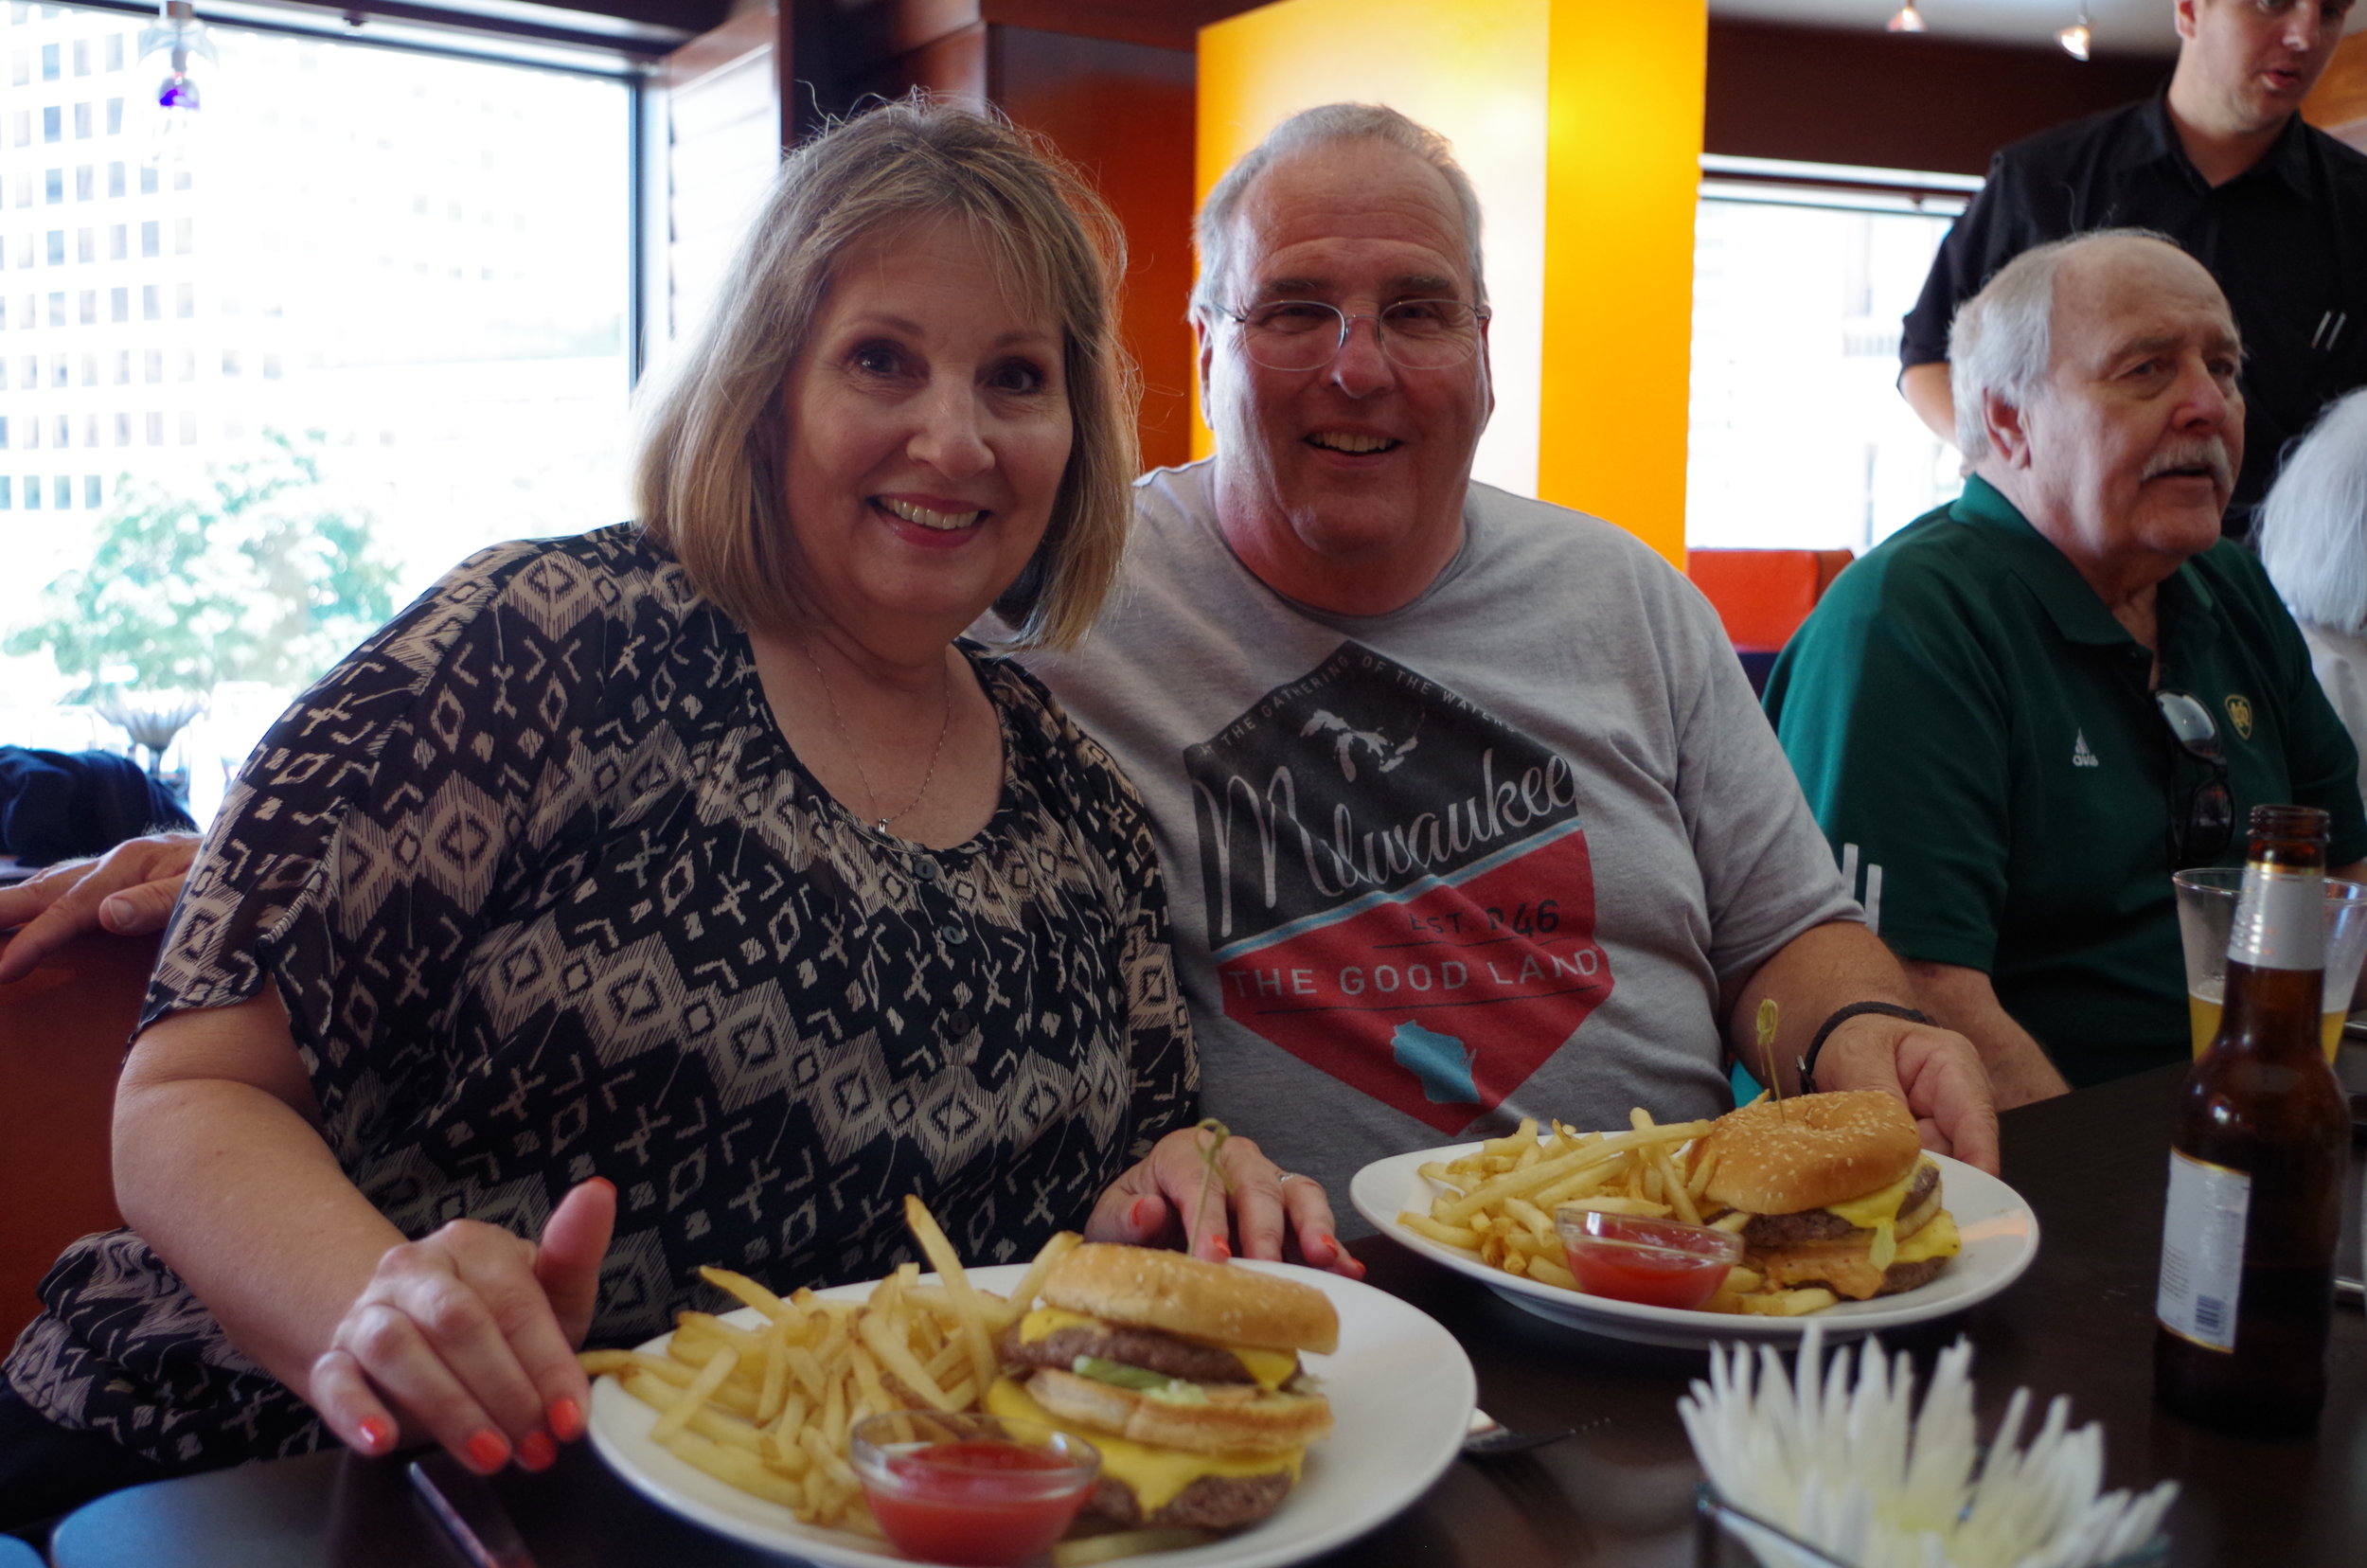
[(2076, 38), (1908, 19)]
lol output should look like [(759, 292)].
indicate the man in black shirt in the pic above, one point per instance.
[(2223, 162)]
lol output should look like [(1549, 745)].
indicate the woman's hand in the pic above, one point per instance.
[(1171, 1197), (129, 890), (468, 1337)]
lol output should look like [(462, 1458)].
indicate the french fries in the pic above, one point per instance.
[(1498, 1202), (768, 1409)]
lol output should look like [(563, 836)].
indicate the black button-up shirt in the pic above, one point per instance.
[(2286, 239)]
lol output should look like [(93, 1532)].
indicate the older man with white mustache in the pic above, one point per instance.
[(2022, 712)]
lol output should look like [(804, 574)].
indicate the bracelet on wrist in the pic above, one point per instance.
[(1840, 1015)]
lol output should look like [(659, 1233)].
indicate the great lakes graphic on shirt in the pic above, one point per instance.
[(1398, 887)]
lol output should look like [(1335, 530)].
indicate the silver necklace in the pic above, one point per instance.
[(838, 721)]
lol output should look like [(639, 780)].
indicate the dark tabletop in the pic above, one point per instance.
[(2092, 1165)]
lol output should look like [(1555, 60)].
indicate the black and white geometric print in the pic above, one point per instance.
[(548, 896)]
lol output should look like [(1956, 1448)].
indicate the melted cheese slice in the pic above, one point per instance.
[(1156, 1474), (1271, 1368), (1878, 1209), (1938, 1238)]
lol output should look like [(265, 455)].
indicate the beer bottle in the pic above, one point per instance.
[(2257, 1154)]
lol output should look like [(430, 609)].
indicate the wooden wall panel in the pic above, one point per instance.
[(1123, 111), (2339, 103), (1894, 102)]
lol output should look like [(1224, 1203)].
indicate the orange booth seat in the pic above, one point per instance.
[(1763, 595), (62, 1031)]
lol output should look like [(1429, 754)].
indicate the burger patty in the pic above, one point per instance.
[(1211, 1503), (1145, 1347), (1788, 1230)]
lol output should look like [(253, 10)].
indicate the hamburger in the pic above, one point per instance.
[(1832, 1190), (1185, 1375)]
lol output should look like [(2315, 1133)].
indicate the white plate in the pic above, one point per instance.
[(2000, 1238), (1401, 1395)]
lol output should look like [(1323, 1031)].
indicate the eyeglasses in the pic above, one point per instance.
[(2209, 819), (1307, 334)]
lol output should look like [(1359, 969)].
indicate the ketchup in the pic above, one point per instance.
[(1650, 1262), (979, 1501), (1650, 1276)]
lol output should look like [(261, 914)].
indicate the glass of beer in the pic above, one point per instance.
[(2206, 907)]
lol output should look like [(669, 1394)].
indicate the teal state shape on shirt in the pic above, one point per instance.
[(1441, 1061)]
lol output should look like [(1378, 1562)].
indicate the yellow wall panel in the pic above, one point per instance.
[(1622, 180)]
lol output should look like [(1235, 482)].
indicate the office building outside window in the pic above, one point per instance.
[(456, 370)]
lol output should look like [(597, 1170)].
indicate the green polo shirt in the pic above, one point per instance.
[(1977, 734)]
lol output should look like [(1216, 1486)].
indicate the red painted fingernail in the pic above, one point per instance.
[(566, 1420), (1143, 1213), (1217, 1244), (605, 1181), (1356, 1264), (377, 1435), (535, 1452), (489, 1452)]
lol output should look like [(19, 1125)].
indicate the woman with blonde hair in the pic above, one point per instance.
[(2312, 533), (678, 893)]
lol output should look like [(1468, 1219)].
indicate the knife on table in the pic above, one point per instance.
[(470, 1511)]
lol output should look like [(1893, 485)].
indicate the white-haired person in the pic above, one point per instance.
[(2312, 534), (2027, 708), (683, 892)]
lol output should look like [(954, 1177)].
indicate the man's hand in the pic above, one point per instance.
[(129, 890), (1173, 1197), (1935, 1070)]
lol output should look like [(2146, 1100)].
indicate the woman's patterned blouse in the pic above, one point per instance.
[(548, 896)]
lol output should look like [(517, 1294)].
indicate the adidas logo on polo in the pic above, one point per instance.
[(2081, 755)]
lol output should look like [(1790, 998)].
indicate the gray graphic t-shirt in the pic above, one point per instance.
[(1493, 854)]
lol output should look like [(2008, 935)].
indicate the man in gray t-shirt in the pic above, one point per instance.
[(1465, 807)]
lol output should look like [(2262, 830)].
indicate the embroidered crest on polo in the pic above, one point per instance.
[(2081, 755), (2239, 714)]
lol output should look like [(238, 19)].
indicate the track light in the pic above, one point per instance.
[(1908, 19)]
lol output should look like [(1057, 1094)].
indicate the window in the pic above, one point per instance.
[(55, 241), (4, 432), (81, 57), (48, 63), (1800, 273), (479, 399), (52, 124), (33, 492), (64, 430), (61, 492), (21, 124), (7, 498), (57, 315)]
